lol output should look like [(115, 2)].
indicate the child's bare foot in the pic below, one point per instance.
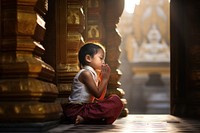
[(79, 119)]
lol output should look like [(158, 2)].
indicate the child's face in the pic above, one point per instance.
[(98, 60)]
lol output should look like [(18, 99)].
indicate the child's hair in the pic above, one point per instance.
[(88, 49)]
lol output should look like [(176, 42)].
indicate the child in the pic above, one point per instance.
[(84, 105)]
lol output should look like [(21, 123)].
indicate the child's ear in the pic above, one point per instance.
[(88, 58)]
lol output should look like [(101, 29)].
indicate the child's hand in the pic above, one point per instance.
[(105, 72)]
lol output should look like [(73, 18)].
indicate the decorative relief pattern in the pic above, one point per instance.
[(27, 89), (73, 16), (95, 27), (24, 76), (29, 111), (68, 65)]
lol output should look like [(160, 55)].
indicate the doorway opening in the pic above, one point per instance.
[(145, 56)]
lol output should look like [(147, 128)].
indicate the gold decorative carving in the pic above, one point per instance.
[(73, 16), (64, 87), (27, 89), (27, 93), (29, 111), (9, 23), (94, 27), (23, 64), (74, 36), (74, 41), (93, 31), (68, 65), (22, 44)]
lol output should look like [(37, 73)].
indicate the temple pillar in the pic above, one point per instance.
[(69, 40), (114, 9), (27, 94)]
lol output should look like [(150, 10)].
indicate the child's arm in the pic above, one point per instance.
[(96, 91), (103, 94)]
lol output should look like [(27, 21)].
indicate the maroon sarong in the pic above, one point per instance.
[(101, 112)]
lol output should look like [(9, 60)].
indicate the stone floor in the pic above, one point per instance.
[(135, 123)]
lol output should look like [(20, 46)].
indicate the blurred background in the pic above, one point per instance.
[(145, 56)]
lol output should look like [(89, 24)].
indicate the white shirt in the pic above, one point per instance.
[(80, 92)]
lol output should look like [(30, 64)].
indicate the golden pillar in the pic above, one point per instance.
[(113, 41), (67, 50), (27, 95)]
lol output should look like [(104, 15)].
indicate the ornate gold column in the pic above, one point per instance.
[(113, 12), (67, 51), (27, 95)]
